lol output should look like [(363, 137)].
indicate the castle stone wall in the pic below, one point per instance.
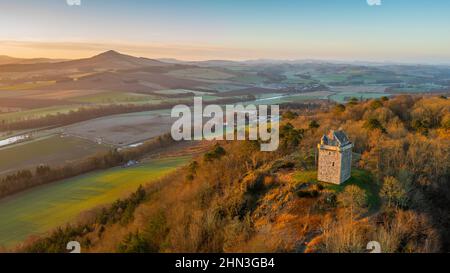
[(335, 164), (329, 166), (346, 167)]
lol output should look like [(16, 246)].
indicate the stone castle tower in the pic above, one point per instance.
[(335, 158)]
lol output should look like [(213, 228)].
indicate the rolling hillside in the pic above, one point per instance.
[(236, 198)]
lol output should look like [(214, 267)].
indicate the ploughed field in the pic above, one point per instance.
[(124, 129), (44, 208)]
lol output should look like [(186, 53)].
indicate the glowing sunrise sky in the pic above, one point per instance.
[(396, 30)]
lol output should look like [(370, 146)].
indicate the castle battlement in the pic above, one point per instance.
[(335, 148)]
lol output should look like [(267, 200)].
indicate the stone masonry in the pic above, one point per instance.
[(335, 158)]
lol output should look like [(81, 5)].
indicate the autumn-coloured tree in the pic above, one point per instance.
[(354, 199), (393, 193)]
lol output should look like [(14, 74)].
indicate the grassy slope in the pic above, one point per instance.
[(44, 208), (360, 178)]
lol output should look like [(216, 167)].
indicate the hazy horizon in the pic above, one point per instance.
[(262, 59), (399, 31)]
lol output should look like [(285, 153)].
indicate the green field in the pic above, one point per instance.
[(330, 78), (47, 150), (345, 96), (200, 74), (275, 98), (180, 91), (40, 112), (44, 208), (114, 97), (249, 78), (225, 87)]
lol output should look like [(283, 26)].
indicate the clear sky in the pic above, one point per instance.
[(396, 30)]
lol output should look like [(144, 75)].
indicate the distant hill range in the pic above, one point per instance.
[(114, 71), (109, 70), (104, 61), (11, 60)]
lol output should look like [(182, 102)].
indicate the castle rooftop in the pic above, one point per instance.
[(335, 138)]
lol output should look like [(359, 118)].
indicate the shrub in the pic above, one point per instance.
[(307, 193), (216, 153), (376, 104), (289, 115), (374, 124), (134, 243), (340, 108), (314, 125)]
